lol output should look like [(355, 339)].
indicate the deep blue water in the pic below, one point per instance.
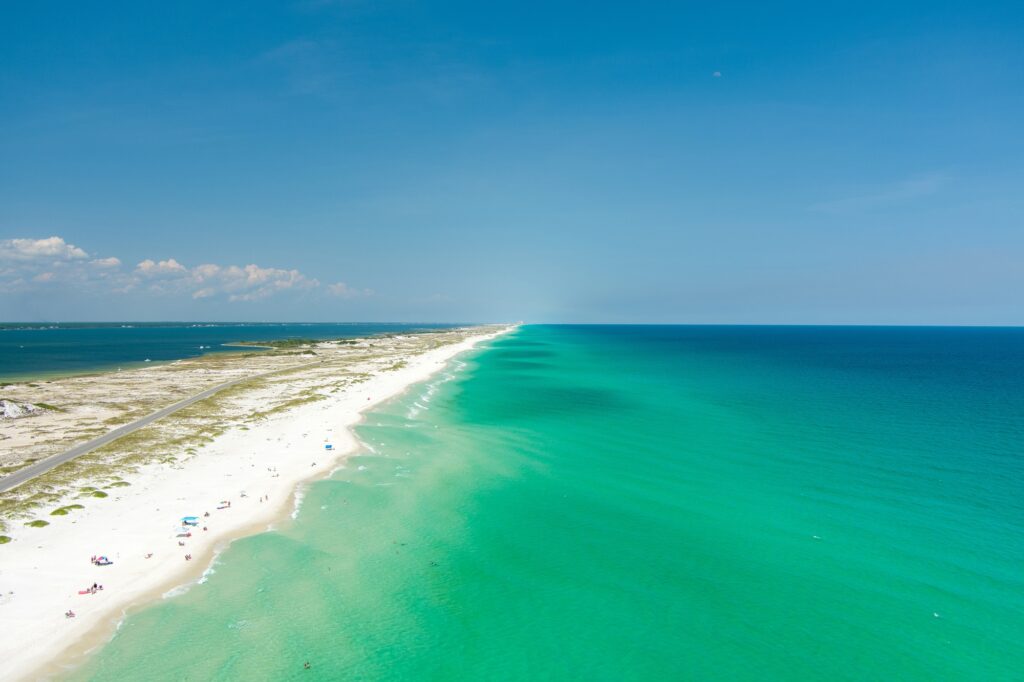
[(29, 351)]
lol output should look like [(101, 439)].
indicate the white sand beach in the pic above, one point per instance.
[(256, 468)]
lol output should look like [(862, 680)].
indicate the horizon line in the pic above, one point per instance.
[(526, 323)]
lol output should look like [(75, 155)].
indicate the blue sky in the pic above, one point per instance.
[(634, 162)]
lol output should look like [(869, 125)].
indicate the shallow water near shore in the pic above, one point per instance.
[(643, 503)]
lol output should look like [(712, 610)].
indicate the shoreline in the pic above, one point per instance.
[(49, 645)]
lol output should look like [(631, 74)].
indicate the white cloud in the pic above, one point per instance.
[(25, 263), (342, 290), (51, 248), (205, 272), (253, 283), (169, 267), (248, 283)]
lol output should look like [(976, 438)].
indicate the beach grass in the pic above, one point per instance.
[(64, 511), (182, 434)]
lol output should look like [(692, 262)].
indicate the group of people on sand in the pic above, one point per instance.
[(95, 587), (224, 504), (100, 560)]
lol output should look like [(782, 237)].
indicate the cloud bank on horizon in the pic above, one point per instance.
[(51, 264)]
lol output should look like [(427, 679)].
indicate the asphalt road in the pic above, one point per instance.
[(28, 473)]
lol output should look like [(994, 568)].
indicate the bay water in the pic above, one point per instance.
[(30, 351)]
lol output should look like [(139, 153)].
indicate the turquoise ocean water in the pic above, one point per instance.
[(644, 503)]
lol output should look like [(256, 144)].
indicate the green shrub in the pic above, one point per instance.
[(64, 511)]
